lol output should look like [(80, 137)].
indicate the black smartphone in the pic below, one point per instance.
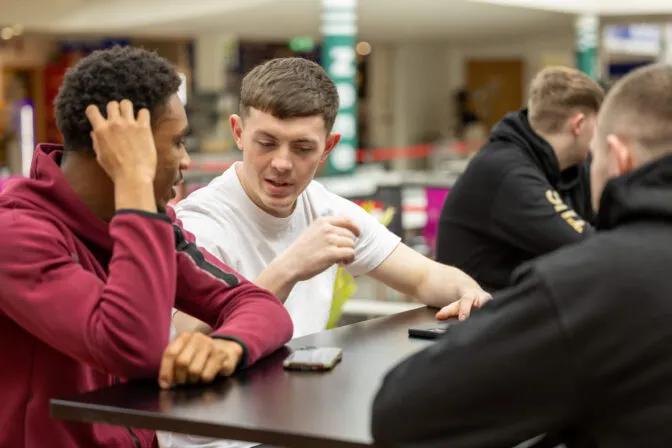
[(313, 358), (431, 331)]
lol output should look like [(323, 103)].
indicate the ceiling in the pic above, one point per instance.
[(607, 8), (388, 20)]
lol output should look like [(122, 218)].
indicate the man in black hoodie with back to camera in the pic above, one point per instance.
[(526, 193), (583, 339)]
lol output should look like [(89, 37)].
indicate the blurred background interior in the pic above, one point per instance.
[(421, 81)]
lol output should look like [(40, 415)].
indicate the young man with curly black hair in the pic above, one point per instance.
[(93, 260)]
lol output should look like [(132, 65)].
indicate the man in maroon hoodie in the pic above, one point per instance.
[(93, 260)]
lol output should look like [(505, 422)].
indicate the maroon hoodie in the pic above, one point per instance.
[(83, 302)]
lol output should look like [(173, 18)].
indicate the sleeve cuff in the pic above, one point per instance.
[(146, 214), (243, 359)]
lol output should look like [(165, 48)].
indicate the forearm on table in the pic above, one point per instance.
[(443, 284)]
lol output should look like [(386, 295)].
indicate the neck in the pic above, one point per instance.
[(90, 182), (559, 144)]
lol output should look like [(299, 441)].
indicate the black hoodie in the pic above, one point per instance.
[(512, 204), (582, 340)]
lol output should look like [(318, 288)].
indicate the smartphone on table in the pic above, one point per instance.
[(313, 358)]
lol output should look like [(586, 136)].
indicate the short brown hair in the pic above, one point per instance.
[(290, 88), (556, 93), (639, 108)]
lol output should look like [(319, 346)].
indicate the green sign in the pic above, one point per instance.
[(587, 34), (339, 30), (301, 44)]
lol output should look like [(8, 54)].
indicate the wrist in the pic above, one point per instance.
[(283, 271), (134, 192), (136, 179)]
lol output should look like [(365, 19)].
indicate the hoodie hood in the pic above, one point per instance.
[(642, 195), (47, 191), (515, 130)]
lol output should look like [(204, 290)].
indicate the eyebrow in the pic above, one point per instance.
[(273, 137)]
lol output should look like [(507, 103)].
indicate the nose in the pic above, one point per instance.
[(185, 160), (282, 162)]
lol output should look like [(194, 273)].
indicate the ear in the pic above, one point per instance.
[(622, 153), (577, 122), (332, 141), (237, 130)]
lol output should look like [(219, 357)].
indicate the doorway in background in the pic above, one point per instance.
[(496, 87)]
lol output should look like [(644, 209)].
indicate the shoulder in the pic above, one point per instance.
[(574, 268), (212, 204), (214, 198), (29, 234), (327, 203), (496, 165)]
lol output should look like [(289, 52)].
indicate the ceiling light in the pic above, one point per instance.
[(363, 48)]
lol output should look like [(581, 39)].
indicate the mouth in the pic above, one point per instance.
[(278, 183), (174, 188)]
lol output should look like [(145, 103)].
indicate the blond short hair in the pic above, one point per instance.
[(638, 108), (558, 92)]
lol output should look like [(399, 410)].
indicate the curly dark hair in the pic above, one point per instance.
[(113, 74)]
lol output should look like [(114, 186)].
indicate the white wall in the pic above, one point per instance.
[(408, 93), (535, 51), (412, 83)]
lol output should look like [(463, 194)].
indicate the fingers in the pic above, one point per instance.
[(126, 110), (95, 117), (116, 110), (195, 357), (343, 222), (143, 117), (197, 365), (465, 306), (166, 376), (228, 366), (213, 366), (341, 231), (485, 297), (340, 241), (113, 111), (184, 359), (343, 255), (449, 311)]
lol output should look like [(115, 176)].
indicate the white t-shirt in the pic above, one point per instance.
[(229, 225)]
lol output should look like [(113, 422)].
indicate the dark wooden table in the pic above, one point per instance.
[(267, 404)]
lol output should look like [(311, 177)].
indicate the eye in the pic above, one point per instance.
[(180, 143), (266, 144)]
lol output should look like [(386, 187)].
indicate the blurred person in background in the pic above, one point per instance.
[(269, 219), (581, 343), (526, 192), (93, 260)]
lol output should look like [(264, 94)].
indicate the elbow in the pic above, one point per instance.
[(287, 325), (280, 317)]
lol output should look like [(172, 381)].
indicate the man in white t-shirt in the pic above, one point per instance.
[(267, 218)]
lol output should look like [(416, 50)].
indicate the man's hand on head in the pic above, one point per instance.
[(197, 358)]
